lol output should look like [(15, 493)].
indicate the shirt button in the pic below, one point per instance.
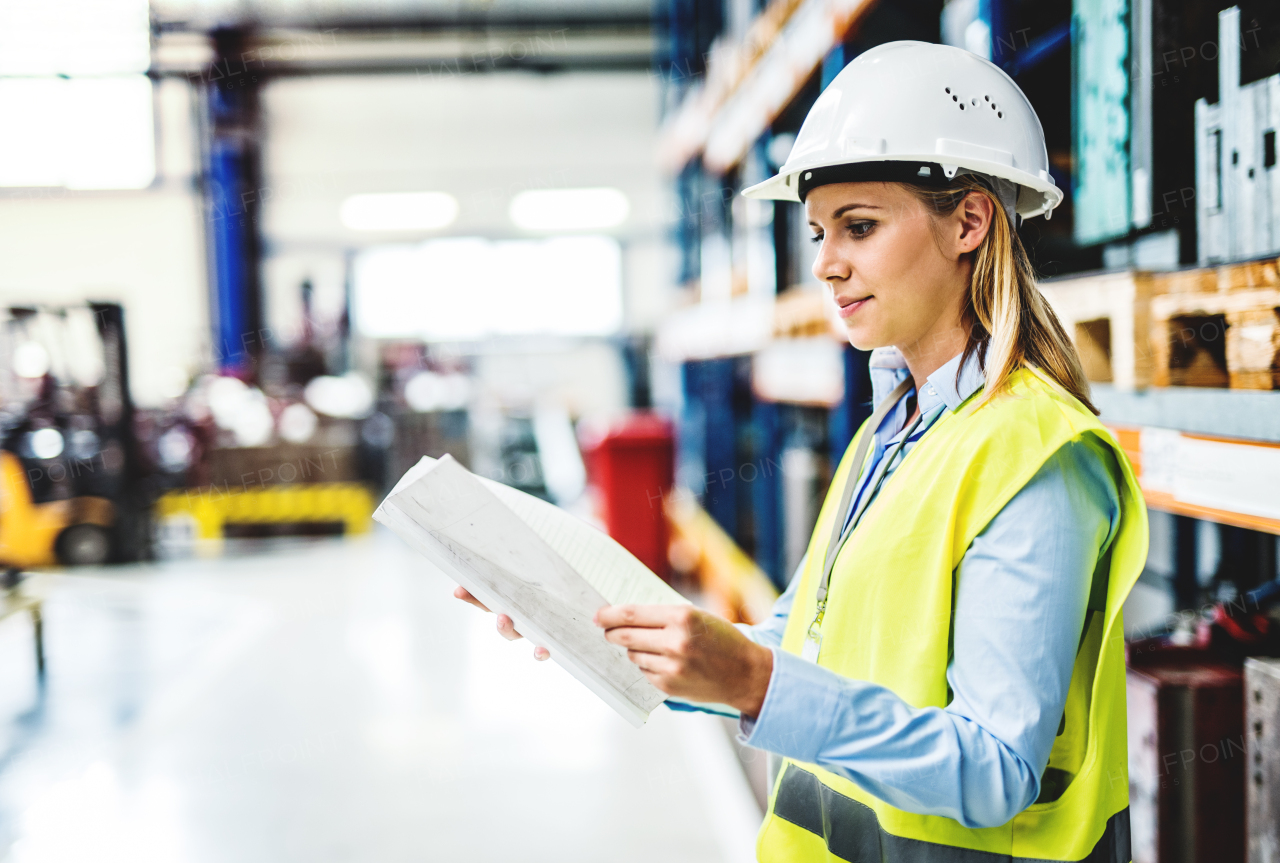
[(930, 391)]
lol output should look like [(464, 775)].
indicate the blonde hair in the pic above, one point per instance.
[(1011, 326)]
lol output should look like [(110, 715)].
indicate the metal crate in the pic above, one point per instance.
[(1186, 761), (1262, 733)]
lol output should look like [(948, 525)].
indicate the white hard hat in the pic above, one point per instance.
[(918, 112)]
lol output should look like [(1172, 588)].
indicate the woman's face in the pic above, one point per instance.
[(898, 274)]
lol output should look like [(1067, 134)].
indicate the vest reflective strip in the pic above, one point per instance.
[(852, 831)]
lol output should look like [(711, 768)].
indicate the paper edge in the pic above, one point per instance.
[(389, 514)]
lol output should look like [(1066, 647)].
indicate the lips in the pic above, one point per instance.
[(848, 309)]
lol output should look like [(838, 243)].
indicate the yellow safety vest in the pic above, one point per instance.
[(888, 621)]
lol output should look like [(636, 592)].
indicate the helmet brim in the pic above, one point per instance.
[(1044, 197)]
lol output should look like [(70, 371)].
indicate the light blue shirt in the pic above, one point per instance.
[(1021, 597)]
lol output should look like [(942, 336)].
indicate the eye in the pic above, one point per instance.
[(815, 239), (861, 229)]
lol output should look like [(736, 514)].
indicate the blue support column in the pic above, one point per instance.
[(231, 189), (720, 495), (766, 493), (707, 455), (691, 437)]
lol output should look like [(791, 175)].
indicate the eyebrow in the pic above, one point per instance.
[(846, 208)]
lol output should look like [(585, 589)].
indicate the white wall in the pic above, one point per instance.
[(143, 249), (480, 137)]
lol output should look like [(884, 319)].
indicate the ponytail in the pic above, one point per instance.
[(1011, 326)]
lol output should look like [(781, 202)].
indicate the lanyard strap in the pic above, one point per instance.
[(855, 474)]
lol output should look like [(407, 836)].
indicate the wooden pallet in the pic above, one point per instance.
[(1202, 326), (1223, 332), (1107, 314), (803, 312)]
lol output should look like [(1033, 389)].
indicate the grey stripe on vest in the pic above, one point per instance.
[(853, 832)]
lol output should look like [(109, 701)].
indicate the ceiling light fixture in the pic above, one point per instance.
[(569, 209), (399, 211)]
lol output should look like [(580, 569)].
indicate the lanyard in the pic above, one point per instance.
[(838, 532)]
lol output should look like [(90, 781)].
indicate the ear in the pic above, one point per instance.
[(974, 217)]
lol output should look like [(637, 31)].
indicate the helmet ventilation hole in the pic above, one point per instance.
[(961, 106), (988, 98), (974, 102), (1000, 114), (948, 89), (955, 98)]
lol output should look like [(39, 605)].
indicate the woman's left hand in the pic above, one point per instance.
[(691, 654)]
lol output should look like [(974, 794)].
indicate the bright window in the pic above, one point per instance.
[(74, 104), (471, 288)]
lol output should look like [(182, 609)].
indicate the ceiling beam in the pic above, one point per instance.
[(444, 53)]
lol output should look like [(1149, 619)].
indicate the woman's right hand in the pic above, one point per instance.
[(506, 628)]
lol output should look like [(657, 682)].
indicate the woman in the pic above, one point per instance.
[(944, 676)]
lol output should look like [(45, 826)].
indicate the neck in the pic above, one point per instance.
[(926, 355)]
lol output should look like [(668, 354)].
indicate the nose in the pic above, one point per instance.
[(829, 266)]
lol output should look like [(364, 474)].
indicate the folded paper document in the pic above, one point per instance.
[(536, 563)]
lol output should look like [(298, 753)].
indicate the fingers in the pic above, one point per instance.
[(462, 593), (642, 639), (640, 615), (507, 629), (654, 666)]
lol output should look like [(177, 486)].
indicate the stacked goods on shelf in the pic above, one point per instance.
[(1204, 447), (803, 312), (1108, 317), (1237, 190), (1201, 327), (281, 463), (1219, 328), (731, 582), (747, 86)]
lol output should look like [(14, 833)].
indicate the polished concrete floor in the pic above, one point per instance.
[(328, 700)]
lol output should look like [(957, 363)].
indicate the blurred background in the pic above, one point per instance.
[(257, 257)]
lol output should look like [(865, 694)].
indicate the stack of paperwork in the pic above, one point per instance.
[(536, 563)]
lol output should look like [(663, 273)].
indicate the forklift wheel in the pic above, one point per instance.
[(83, 545)]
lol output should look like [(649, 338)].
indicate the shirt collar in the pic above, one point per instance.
[(954, 388), (889, 368)]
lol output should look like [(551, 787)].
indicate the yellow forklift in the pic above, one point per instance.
[(74, 531), (71, 488)]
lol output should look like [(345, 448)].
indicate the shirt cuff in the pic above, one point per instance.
[(795, 719)]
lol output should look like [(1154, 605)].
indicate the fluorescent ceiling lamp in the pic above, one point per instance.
[(399, 211), (471, 288), (569, 209)]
